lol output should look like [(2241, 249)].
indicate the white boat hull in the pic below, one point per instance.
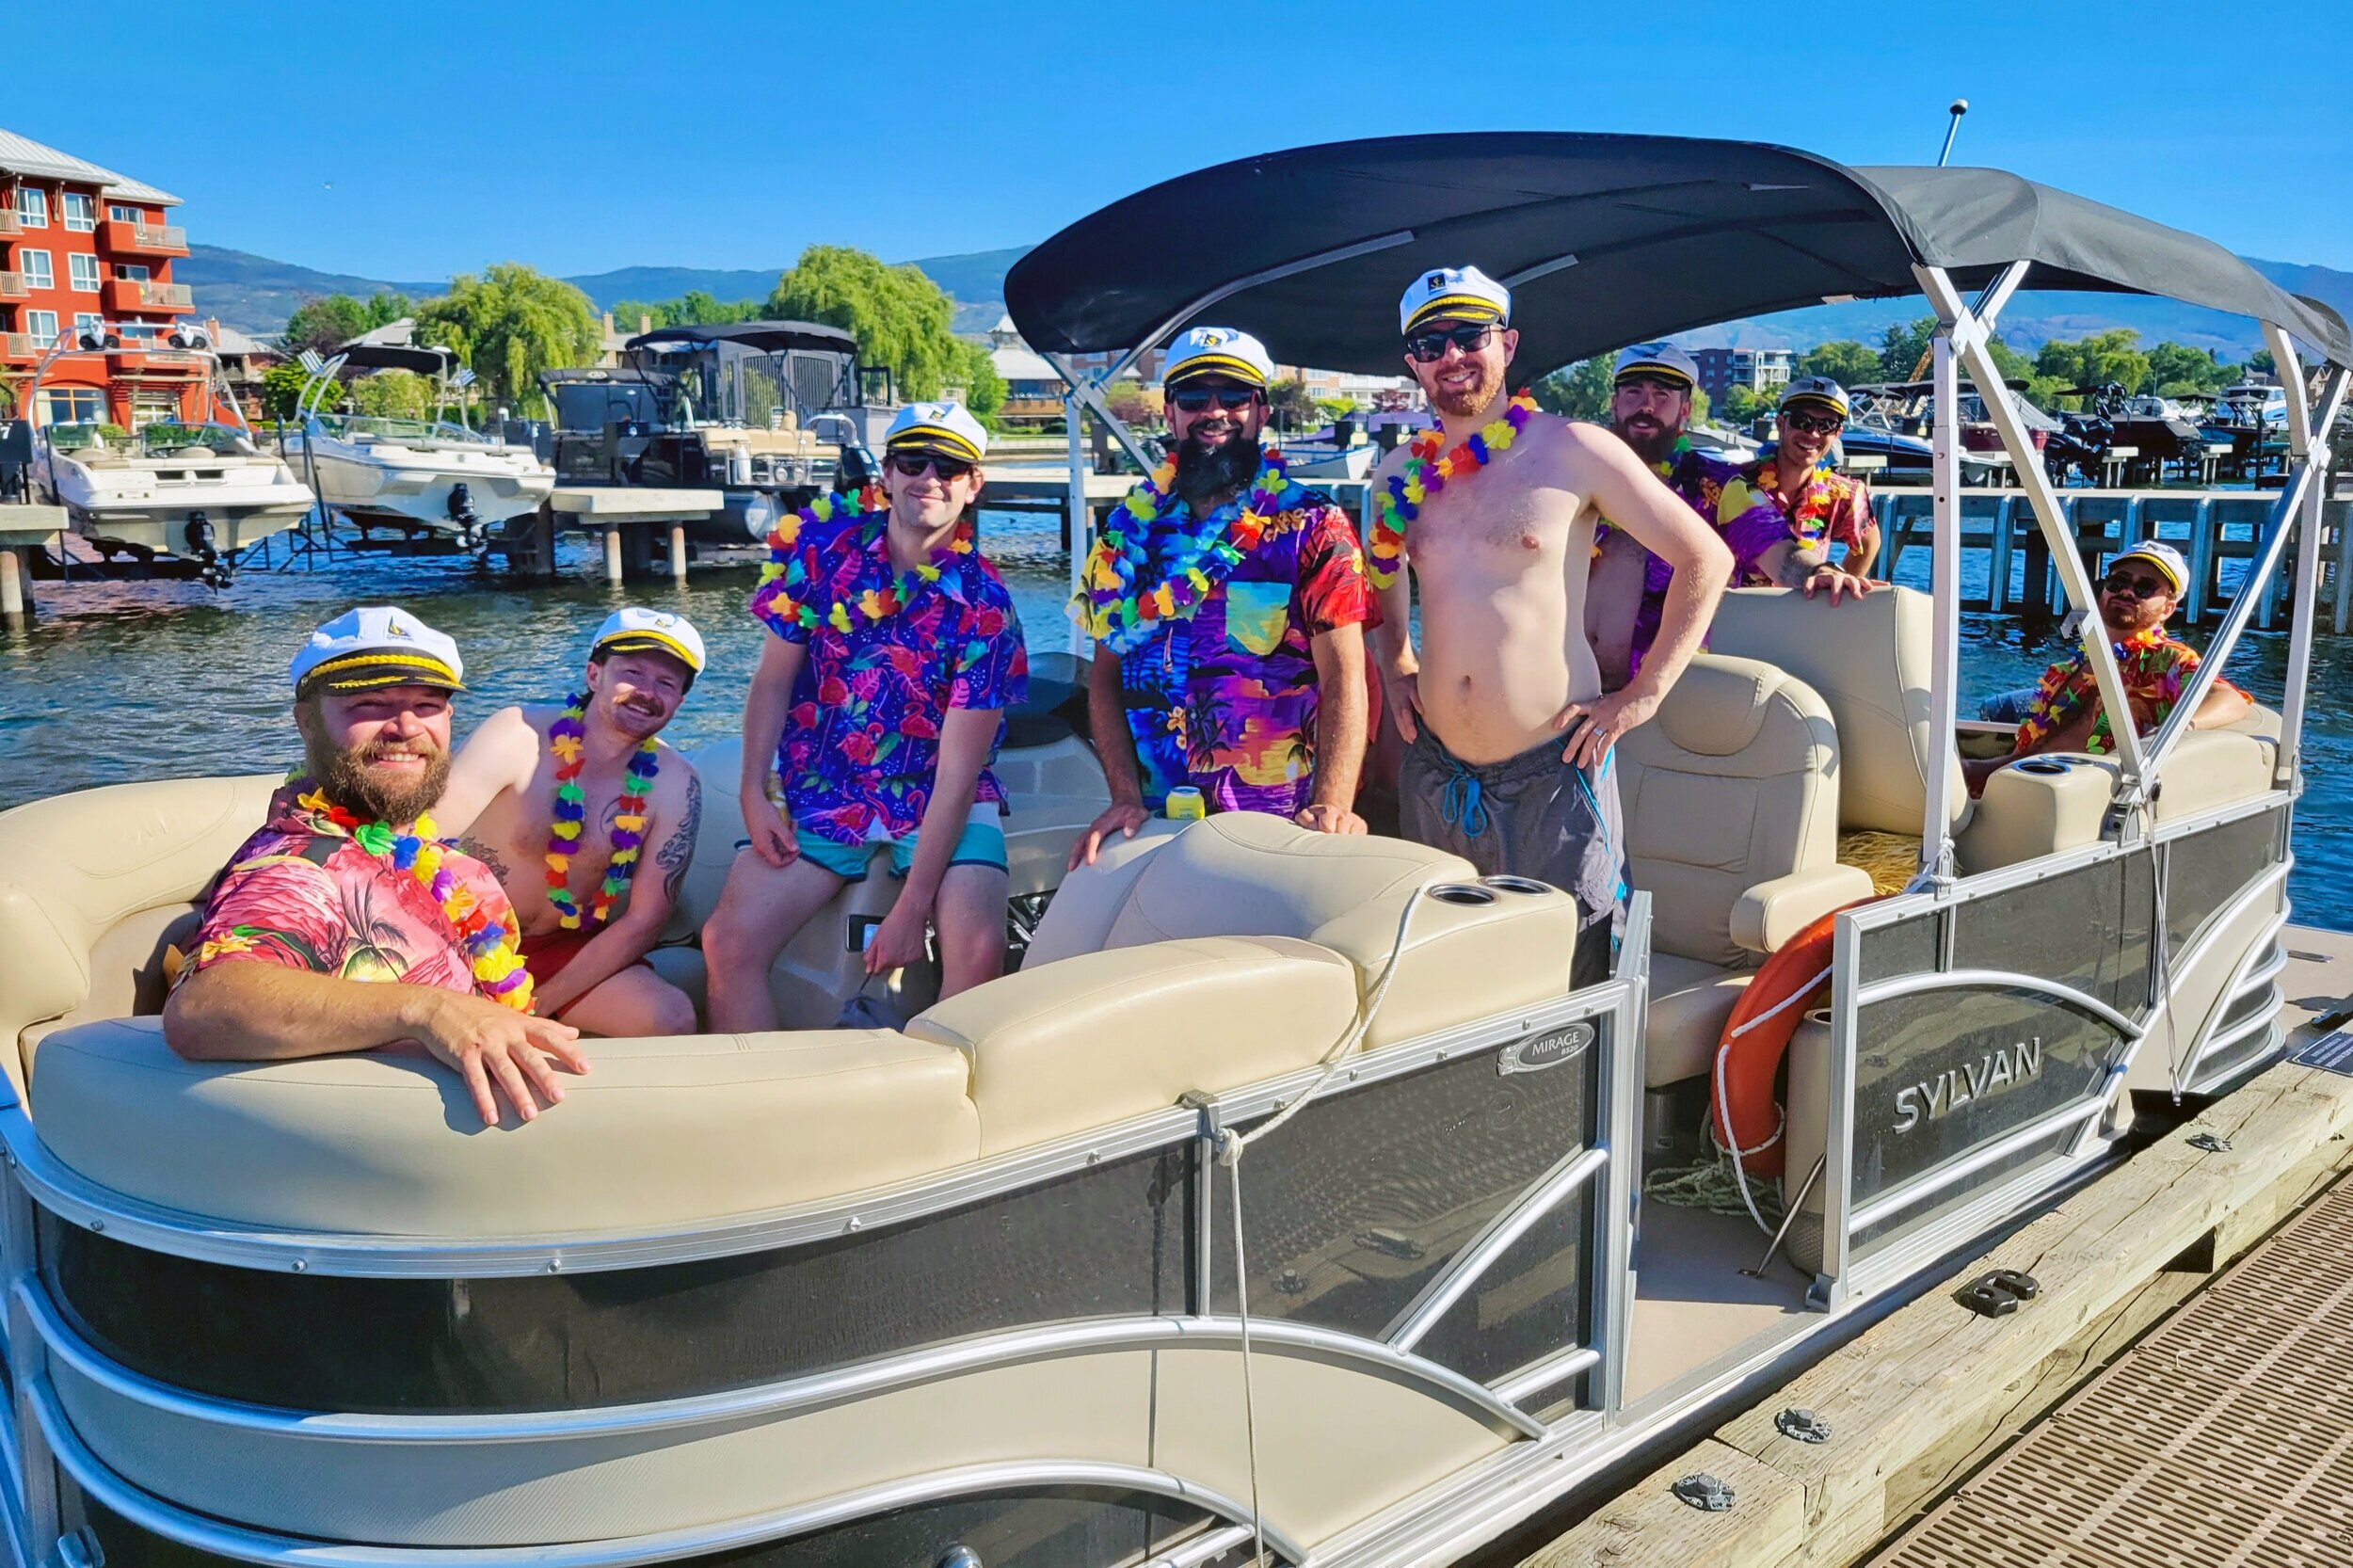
[(412, 486), (149, 504)]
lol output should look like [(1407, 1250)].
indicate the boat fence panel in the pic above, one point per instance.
[(1361, 1205), (2205, 872), (1113, 1239)]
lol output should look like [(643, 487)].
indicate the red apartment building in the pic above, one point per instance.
[(83, 245)]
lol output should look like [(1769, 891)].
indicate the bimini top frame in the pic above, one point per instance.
[(1606, 240)]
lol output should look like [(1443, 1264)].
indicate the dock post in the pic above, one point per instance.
[(2004, 540), (677, 553), (2034, 606), (2201, 559), (613, 555), (2345, 563), (16, 589), (543, 541)]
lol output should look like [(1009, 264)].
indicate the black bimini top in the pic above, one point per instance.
[(380, 356), (758, 337), (1604, 240)]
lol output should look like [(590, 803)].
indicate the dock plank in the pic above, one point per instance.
[(1917, 1398)]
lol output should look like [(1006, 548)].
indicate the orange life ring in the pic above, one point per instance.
[(1742, 1111)]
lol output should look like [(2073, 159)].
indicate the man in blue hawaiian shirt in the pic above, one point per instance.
[(879, 701)]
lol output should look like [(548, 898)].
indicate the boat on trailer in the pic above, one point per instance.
[(426, 475), (1283, 1195)]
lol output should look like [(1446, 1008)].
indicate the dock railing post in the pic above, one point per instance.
[(2308, 438), (16, 601)]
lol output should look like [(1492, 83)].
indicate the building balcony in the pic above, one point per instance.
[(9, 226), (143, 239), (127, 295), (12, 286), (16, 348)]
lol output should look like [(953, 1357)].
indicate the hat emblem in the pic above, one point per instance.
[(394, 629), (1437, 282)]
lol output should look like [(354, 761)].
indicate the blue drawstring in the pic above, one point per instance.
[(1462, 802)]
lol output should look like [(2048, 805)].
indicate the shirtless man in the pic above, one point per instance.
[(1500, 554), (588, 785)]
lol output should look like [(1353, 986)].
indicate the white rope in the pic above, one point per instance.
[(1230, 1147)]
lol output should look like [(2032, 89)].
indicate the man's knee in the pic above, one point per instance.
[(673, 1009)]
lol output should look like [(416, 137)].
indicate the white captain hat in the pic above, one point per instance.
[(2161, 555), (1456, 294), (374, 646), (1218, 351), (1663, 361), (1818, 389), (635, 630), (941, 427)]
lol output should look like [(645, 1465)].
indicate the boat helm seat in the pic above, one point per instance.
[(2057, 801), (1731, 799), (1473, 949)]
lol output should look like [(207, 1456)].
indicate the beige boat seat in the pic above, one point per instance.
[(94, 887), (1244, 874), (1731, 798)]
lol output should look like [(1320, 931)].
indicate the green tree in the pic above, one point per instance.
[(2105, 357), (323, 324), (1293, 406), (1845, 361), (1580, 392), (1902, 349), (898, 316), (392, 394), (1699, 407), (510, 324), (1743, 404), (2261, 363), (281, 386), (2174, 365), (1135, 405)]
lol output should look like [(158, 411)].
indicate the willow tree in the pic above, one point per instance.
[(898, 316), (509, 324)]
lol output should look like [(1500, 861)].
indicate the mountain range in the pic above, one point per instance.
[(255, 294)]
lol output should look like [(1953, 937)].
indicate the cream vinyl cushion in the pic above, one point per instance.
[(1731, 799), (1245, 874), (1104, 1036), (659, 1135)]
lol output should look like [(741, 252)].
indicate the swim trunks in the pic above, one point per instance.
[(1531, 815), (547, 956)]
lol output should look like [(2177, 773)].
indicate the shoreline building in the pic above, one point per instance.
[(1760, 370), (80, 245)]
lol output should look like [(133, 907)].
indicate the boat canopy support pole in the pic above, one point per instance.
[(1971, 333), (2300, 490)]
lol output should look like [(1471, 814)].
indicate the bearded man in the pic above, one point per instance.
[(1229, 607), (1650, 409), (346, 924), (582, 789), (1494, 514)]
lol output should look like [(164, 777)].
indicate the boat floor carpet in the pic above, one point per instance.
[(1691, 1302)]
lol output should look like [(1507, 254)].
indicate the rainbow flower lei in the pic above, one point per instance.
[(1426, 473), (771, 599), (566, 738), (1115, 608), (490, 946)]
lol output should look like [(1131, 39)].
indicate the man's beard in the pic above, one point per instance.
[(1205, 473), (1653, 446), (2141, 617), (1475, 399), (347, 778)]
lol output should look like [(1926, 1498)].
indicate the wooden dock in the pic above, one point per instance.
[(1920, 1399), (24, 529)]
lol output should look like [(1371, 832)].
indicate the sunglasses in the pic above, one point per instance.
[(1192, 400), (1470, 337), (913, 465), (1815, 425), (2135, 585)]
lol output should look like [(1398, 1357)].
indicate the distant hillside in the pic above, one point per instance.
[(256, 295), (652, 283)]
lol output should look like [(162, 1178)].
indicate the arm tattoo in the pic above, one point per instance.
[(1800, 564), (679, 848), (484, 854)]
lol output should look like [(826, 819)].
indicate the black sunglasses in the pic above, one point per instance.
[(1470, 337), (1818, 424), (2137, 585), (912, 465), (1232, 399)]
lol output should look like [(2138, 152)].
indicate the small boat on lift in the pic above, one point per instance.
[(1285, 1203), (423, 475), (204, 491)]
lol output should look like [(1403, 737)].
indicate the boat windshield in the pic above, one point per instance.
[(386, 429), (73, 437), (173, 440)]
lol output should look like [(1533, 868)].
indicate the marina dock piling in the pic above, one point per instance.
[(24, 529)]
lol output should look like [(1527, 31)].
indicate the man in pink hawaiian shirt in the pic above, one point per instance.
[(343, 925), (1824, 506), (880, 700)]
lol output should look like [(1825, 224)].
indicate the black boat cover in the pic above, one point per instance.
[(758, 337), (1604, 240), (385, 356)]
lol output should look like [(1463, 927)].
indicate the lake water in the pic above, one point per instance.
[(123, 681)]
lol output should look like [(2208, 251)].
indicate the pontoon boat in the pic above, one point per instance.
[(1285, 1196), (431, 474)]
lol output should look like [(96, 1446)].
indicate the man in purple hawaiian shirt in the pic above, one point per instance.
[(1230, 621), (880, 702), (1651, 410)]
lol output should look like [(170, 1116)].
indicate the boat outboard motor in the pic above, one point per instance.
[(854, 471), (471, 530), (217, 569)]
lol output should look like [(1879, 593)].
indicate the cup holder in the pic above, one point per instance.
[(2043, 767), (1460, 892), (1516, 885)]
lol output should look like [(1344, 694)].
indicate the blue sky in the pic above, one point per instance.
[(415, 141)]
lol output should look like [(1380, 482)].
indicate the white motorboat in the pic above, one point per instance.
[(205, 492), (428, 474), (1283, 1202)]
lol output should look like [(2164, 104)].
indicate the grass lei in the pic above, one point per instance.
[(1426, 473), (773, 595), (490, 946), (1116, 607), (566, 739)]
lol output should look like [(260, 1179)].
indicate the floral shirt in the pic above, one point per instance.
[(861, 741), (1226, 699), (2153, 666), (303, 894), (1831, 509), (1750, 523)]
